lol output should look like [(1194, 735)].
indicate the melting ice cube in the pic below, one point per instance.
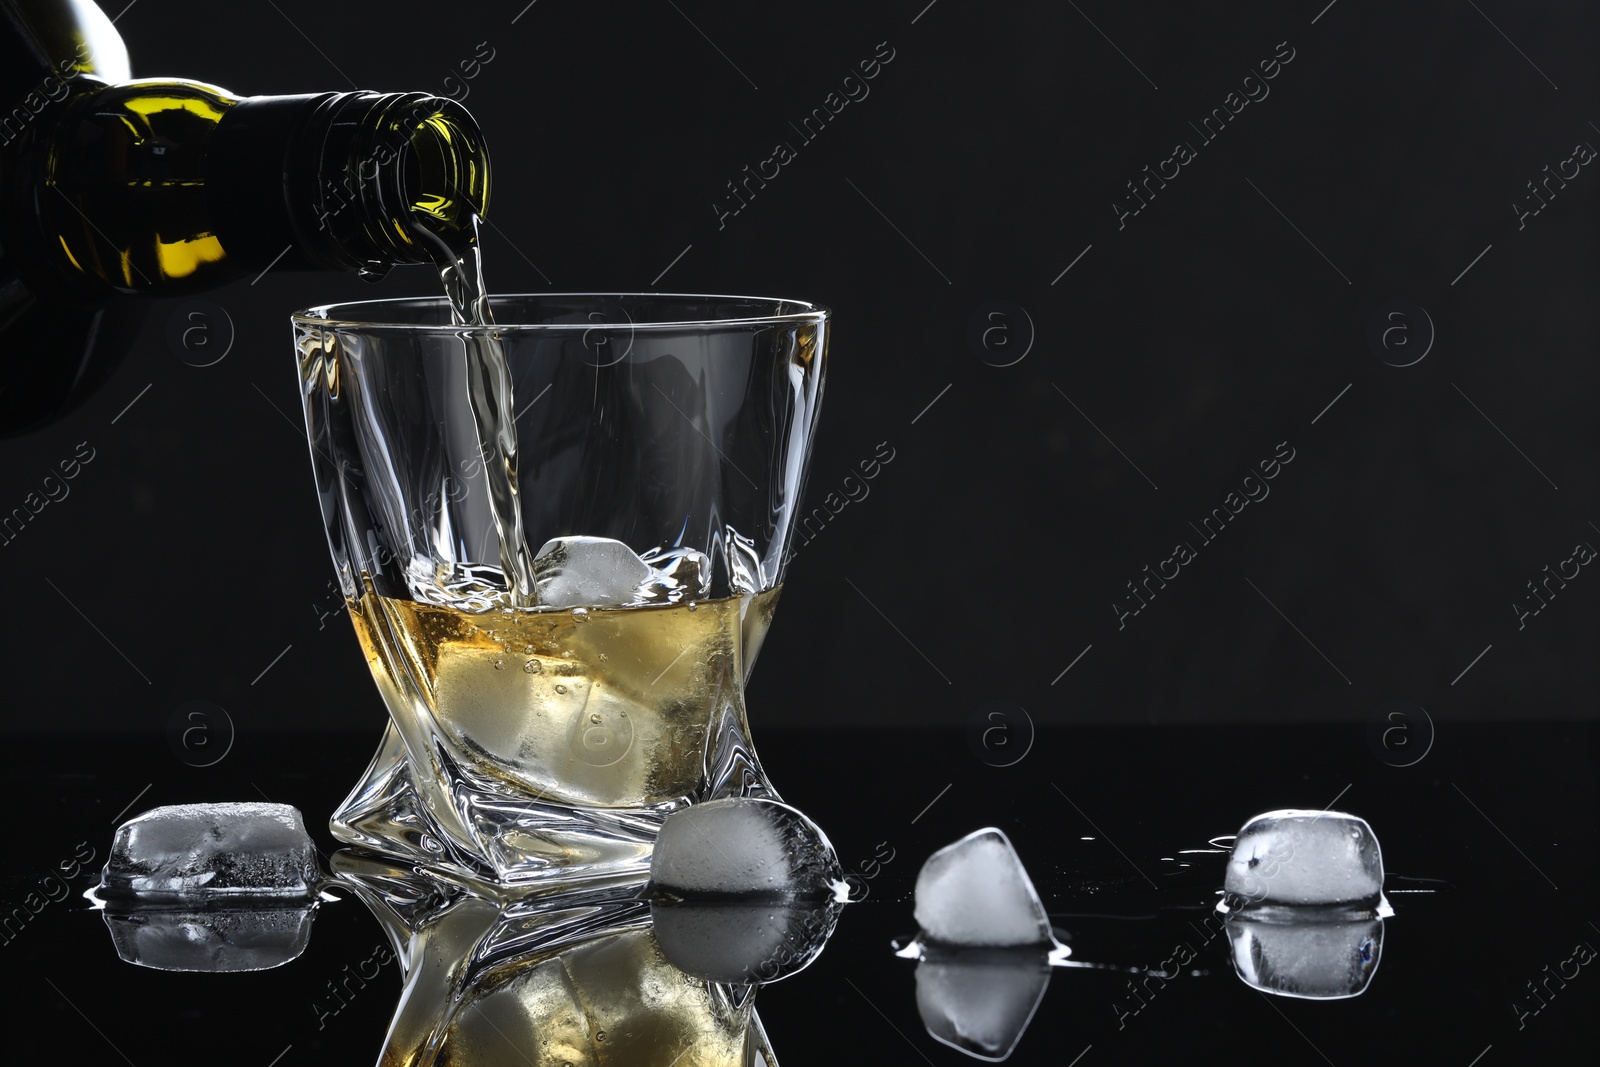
[(744, 846), (747, 890), (189, 852), (571, 572), (1300, 953), (1305, 857), (976, 892), (210, 939), (986, 946)]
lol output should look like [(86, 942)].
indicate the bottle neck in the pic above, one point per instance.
[(341, 181)]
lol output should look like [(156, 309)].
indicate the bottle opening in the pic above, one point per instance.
[(347, 180)]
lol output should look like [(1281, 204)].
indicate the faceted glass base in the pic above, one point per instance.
[(472, 829)]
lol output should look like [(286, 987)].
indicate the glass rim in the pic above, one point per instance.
[(333, 315)]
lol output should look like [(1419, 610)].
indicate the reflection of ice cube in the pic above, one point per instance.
[(571, 572), (209, 939), (976, 892), (744, 846), (742, 942), (1305, 857), (677, 575), (190, 851), (981, 1002), (1304, 954)]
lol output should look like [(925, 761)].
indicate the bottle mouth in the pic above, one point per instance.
[(346, 181), (419, 163), (445, 169)]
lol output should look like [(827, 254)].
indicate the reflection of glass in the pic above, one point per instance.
[(578, 978), (659, 456), (611, 1000)]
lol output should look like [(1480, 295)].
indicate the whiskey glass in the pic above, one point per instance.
[(659, 459)]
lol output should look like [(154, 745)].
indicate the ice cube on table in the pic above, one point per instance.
[(744, 846), (981, 1003), (1305, 857), (214, 940), (188, 852), (570, 572), (1321, 958), (977, 893)]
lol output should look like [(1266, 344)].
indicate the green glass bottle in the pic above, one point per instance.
[(112, 188)]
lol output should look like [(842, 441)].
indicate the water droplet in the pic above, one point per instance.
[(693, 606), (603, 657), (532, 667), (528, 649), (471, 630), (600, 1035), (561, 689), (580, 614), (499, 663), (595, 718), (507, 612)]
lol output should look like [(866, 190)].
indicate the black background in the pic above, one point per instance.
[(1176, 353)]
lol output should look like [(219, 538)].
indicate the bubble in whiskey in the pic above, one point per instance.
[(531, 667), (601, 738)]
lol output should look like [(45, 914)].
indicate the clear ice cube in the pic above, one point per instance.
[(677, 575), (1305, 857), (744, 846), (1314, 957), (977, 893), (212, 851), (210, 939), (570, 572), (983, 1005)]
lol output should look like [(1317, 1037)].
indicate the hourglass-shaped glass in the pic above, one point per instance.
[(556, 690)]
